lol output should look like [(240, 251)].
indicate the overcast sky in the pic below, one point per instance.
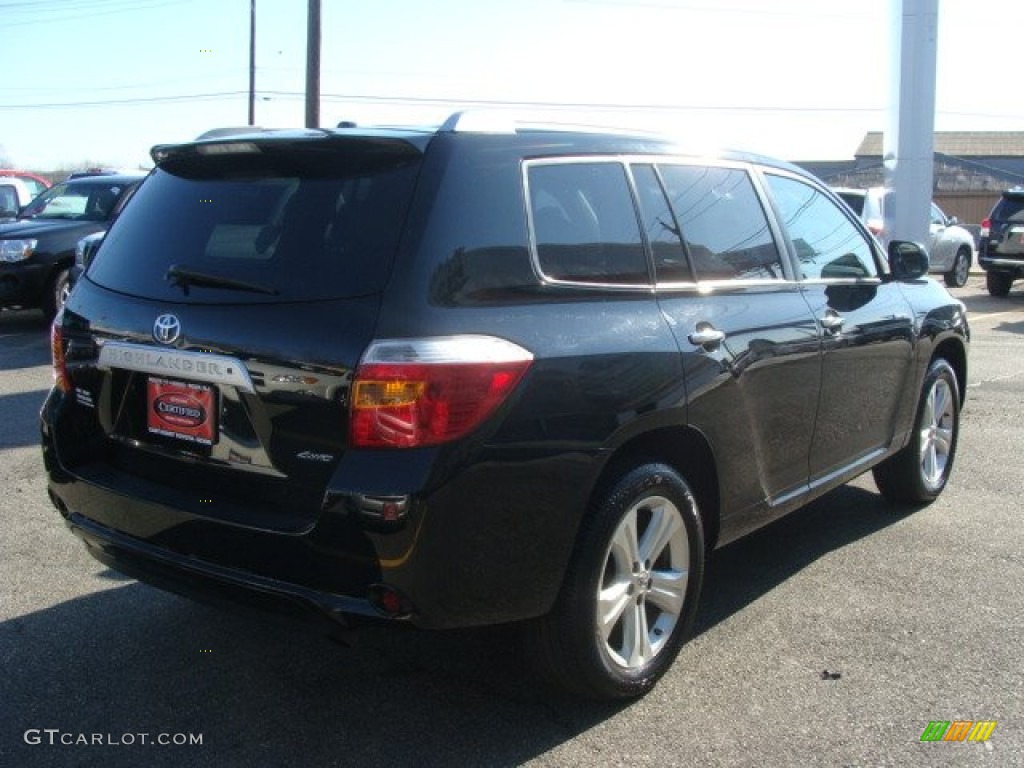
[(104, 80)]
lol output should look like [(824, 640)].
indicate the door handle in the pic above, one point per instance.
[(832, 322), (706, 336)]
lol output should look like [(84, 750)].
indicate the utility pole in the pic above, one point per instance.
[(313, 65), (252, 62)]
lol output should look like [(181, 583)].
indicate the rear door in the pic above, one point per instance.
[(866, 326), (749, 343)]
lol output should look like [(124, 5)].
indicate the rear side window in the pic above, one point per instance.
[(585, 228), (828, 245), (299, 223), (722, 221)]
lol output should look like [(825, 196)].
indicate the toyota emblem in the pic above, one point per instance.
[(167, 329)]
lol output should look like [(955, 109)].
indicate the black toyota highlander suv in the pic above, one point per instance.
[(484, 374)]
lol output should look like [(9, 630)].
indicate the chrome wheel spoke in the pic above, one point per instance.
[(636, 636), (611, 603), (668, 591), (665, 523)]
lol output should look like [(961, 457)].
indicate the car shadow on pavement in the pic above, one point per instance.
[(741, 572), (19, 414), (129, 659), (24, 340)]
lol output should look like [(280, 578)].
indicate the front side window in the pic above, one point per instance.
[(828, 244), (722, 222), (584, 224)]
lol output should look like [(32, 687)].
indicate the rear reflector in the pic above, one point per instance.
[(61, 378), (416, 392)]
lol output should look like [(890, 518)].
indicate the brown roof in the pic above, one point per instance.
[(959, 143)]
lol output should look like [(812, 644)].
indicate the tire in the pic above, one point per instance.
[(957, 276), (998, 283), (639, 561), (56, 294), (919, 472)]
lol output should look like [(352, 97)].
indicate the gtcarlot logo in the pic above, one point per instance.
[(56, 737)]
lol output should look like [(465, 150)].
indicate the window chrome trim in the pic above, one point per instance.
[(625, 160)]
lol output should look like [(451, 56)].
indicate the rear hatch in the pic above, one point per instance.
[(1007, 225), (211, 344)]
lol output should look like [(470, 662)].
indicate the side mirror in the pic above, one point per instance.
[(86, 249), (909, 261), (954, 221)]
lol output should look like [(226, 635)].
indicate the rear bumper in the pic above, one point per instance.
[(486, 540), (207, 582)]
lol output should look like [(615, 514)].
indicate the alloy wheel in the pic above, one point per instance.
[(643, 587), (936, 435)]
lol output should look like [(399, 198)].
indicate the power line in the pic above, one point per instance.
[(141, 100)]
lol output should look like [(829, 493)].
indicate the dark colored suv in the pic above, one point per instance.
[(38, 249), (485, 374), (1002, 243)]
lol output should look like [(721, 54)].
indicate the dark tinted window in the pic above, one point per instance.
[(827, 243), (1010, 206), (722, 221), (303, 223), (90, 199), (670, 262), (585, 225)]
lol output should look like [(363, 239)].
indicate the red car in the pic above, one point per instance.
[(35, 184)]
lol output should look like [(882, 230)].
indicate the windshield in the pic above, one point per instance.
[(80, 200), (298, 223)]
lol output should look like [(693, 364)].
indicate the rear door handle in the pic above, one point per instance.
[(832, 322), (706, 335)]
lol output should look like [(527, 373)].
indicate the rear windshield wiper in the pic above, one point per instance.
[(187, 277)]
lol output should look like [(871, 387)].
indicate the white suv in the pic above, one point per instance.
[(950, 247)]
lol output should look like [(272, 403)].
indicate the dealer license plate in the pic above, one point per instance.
[(181, 410)]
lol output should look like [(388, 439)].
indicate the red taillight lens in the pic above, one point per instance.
[(61, 379), (986, 227), (876, 226), (409, 393)]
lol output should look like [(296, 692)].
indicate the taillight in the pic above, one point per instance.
[(876, 226), (986, 227), (413, 392), (61, 379)]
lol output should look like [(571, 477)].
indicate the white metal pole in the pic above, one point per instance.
[(909, 141)]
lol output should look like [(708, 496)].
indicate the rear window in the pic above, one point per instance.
[(856, 202), (1010, 206), (285, 223)]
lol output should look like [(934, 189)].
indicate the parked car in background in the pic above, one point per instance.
[(1002, 242), (38, 248), (951, 248), (36, 184), (14, 195), (486, 373)]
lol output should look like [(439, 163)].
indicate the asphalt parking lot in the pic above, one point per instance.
[(832, 637)]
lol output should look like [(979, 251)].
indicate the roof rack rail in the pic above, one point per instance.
[(500, 121)]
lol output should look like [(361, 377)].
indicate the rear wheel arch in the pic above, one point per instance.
[(684, 449), (953, 352)]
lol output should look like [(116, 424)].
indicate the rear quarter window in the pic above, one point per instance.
[(585, 227)]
